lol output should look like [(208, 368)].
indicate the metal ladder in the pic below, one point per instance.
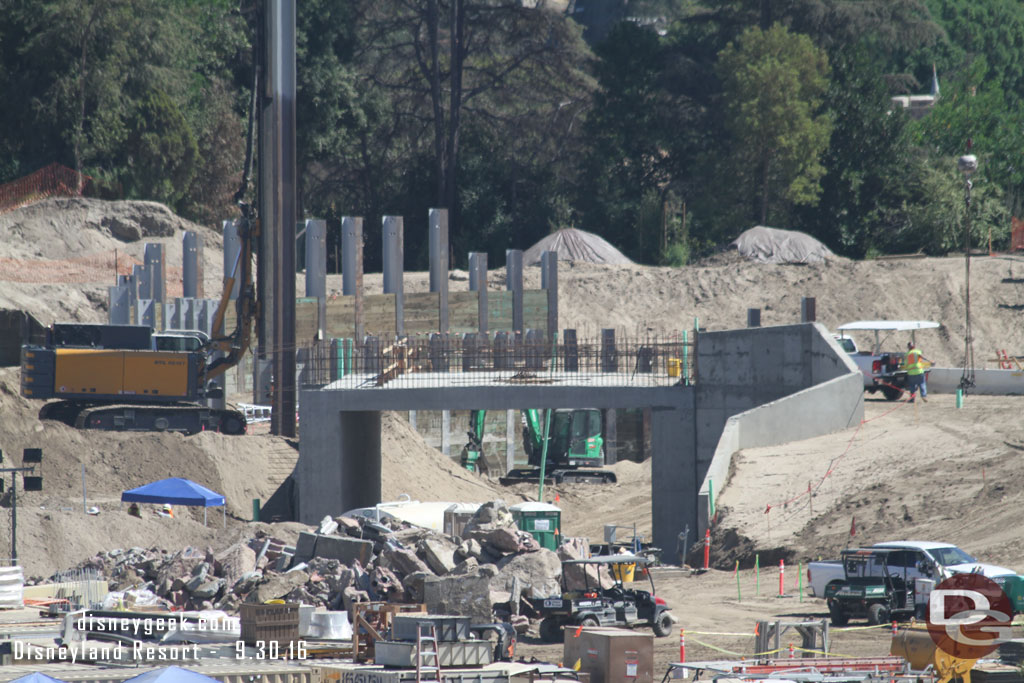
[(428, 659)]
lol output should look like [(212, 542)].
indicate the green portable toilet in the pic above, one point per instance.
[(543, 521)]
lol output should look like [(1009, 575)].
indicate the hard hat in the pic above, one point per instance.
[(167, 507)]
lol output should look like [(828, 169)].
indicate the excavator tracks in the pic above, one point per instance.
[(520, 476), (186, 419)]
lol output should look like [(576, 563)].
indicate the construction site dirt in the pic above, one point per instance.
[(923, 470)]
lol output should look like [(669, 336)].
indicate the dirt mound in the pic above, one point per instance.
[(924, 471), (412, 467), (58, 257)]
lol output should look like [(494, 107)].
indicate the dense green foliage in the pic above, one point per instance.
[(690, 121)]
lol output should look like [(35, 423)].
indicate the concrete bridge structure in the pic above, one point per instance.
[(753, 387)]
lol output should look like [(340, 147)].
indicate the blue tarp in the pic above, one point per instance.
[(176, 491), (37, 678), (172, 674)]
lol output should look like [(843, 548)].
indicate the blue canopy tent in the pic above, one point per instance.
[(175, 491), (171, 674), (37, 677)]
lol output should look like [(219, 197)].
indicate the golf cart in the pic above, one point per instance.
[(596, 606), (876, 586)]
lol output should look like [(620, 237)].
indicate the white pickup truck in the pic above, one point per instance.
[(923, 559), (882, 371)]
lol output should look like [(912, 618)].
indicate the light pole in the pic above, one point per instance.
[(967, 164)]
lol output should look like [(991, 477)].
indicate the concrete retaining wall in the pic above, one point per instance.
[(825, 394)]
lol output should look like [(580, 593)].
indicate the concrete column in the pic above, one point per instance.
[(611, 437), (350, 480), (186, 313), (549, 282), (145, 313), (155, 263), (231, 255), (446, 428), (316, 258), (144, 289), (131, 283), (171, 319), (478, 284), (316, 269), (753, 317), (807, 309), (609, 356), (352, 268), (673, 475), (192, 265), (412, 418), (120, 311), (393, 263), (572, 351), (514, 284), (510, 439), (438, 219)]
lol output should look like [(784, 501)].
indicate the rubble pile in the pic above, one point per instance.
[(485, 573)]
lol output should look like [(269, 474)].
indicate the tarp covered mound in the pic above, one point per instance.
[(575, 245), (771, 245), (175, 491)]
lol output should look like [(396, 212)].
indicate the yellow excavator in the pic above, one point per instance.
[(128, 378)]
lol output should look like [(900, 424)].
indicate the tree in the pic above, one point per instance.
[(634, 121), (514, 70), (868, 162), (773, 87)]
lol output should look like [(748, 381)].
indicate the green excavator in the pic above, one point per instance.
[(575, 447)]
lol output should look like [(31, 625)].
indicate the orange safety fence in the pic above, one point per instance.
[(1016, 234), (54, 180), (97, 268)]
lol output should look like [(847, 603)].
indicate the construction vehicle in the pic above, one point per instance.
[(876, 588), (126, 378), (597, 606), (575, 447), (883, 371)]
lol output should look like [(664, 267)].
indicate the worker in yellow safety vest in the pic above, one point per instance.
[(915, 363)]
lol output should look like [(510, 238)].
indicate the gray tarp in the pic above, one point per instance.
[(575, 245), (771, 245)]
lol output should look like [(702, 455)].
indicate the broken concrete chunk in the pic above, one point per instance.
[(344, 549), (235, 561), (208, 590), (277, 587), (538, 574), (469, 548), (404, 561), (439, 553)]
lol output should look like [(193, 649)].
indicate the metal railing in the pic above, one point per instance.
[(440, 360)]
